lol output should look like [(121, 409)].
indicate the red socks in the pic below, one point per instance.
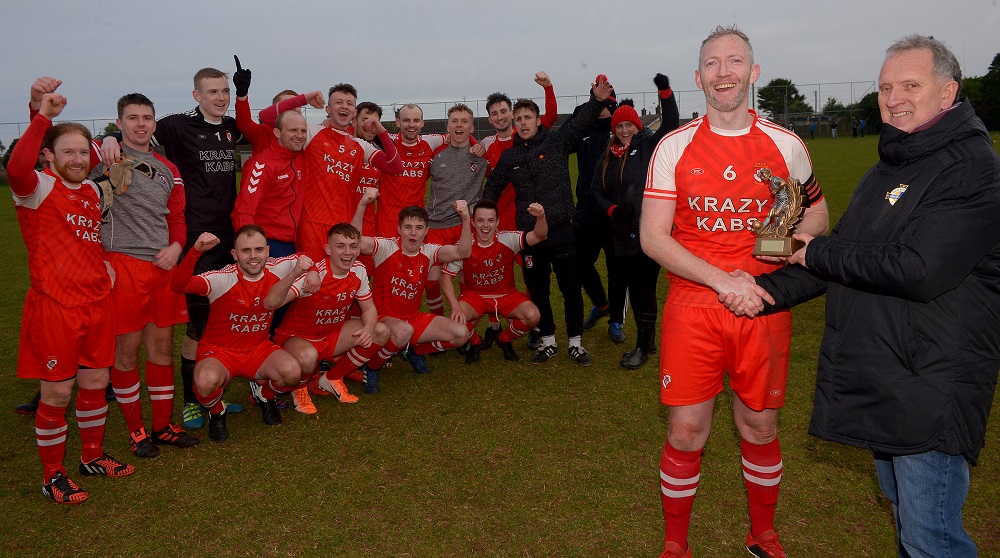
[(351, 361), (515, 329), (383, 355), (762, 472), (91, 412), (679, 475), (50, 433), (126, 385), (160, 383)]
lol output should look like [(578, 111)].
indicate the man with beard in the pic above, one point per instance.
[(244, 296), (701, 196), (68, 323)]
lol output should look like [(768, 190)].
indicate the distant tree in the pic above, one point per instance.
[(833, 107), (111, 128), (779, 97), (6, 155), (867, 108), (988, 104)]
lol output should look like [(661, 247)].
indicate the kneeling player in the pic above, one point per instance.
[(489, 279), (318, 326), (401, 266), (243, 297)]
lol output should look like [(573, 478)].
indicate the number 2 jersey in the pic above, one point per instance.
[(398, 286), (711, 174)]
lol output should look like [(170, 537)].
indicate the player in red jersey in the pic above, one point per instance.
[(371, 176), (68, 324), (489, 279), (333, 161), (244, 296), (409, 187), (143, 234), (320, 326), (401, 266), (498, 108), (701, 195)]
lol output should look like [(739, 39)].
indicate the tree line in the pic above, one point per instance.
[(781, 100)]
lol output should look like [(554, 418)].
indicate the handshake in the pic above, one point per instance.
[(741, 294)]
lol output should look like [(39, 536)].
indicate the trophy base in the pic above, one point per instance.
[(776, 247)]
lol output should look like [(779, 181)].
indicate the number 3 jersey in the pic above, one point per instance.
[(313, 316), (237, 319), (711, 174)]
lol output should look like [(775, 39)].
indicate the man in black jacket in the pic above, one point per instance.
[(538, 167), (909, 358)]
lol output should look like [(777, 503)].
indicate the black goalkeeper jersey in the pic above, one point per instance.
[(205, 154)]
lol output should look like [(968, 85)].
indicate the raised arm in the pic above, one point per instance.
[(183, 279), (282, 292), (387, 159), (367, 198), (463, 250), (541, 230), (551, 105), (670, 119)]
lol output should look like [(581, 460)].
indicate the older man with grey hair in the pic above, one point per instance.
[(909, 358)]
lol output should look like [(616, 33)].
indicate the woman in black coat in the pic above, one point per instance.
[(617, 189)]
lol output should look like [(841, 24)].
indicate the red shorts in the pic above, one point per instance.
[(57, 340), (444, 237), (499, 306), (142, 295), (699, 346), (245, 363), (326, 345), (420, 322), (312, 239)]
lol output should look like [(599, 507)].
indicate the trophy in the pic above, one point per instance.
[(774, 233)]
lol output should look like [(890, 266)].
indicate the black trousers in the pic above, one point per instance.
[(592, 237), (642, 273), (555, 254)]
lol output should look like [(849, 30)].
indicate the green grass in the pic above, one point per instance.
[(490, 460)]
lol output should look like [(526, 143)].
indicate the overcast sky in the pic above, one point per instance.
[(433, 50)]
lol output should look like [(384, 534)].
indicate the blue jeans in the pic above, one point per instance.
[(927, 491)]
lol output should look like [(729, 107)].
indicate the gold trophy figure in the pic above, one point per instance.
[(774, 233)]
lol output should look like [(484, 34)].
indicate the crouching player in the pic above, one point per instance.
[(489, 279), (401, 267), (319, 325), (243, 297)]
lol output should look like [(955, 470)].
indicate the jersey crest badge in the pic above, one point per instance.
[(229, 136), (896, 193)]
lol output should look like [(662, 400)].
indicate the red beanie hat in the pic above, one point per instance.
[(625, 113)]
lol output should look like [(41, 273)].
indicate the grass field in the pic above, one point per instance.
[(497, 459)]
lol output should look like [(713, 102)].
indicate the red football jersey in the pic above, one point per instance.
[(489, 271), (237, 319), (506, 210), (61, 227), (399, 279), (409, 188), (332, 188), (313, 316), (711, 173)]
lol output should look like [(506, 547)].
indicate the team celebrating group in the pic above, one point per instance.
[(338, 241)]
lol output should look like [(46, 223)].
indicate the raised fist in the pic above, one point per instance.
[(206, 241)]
